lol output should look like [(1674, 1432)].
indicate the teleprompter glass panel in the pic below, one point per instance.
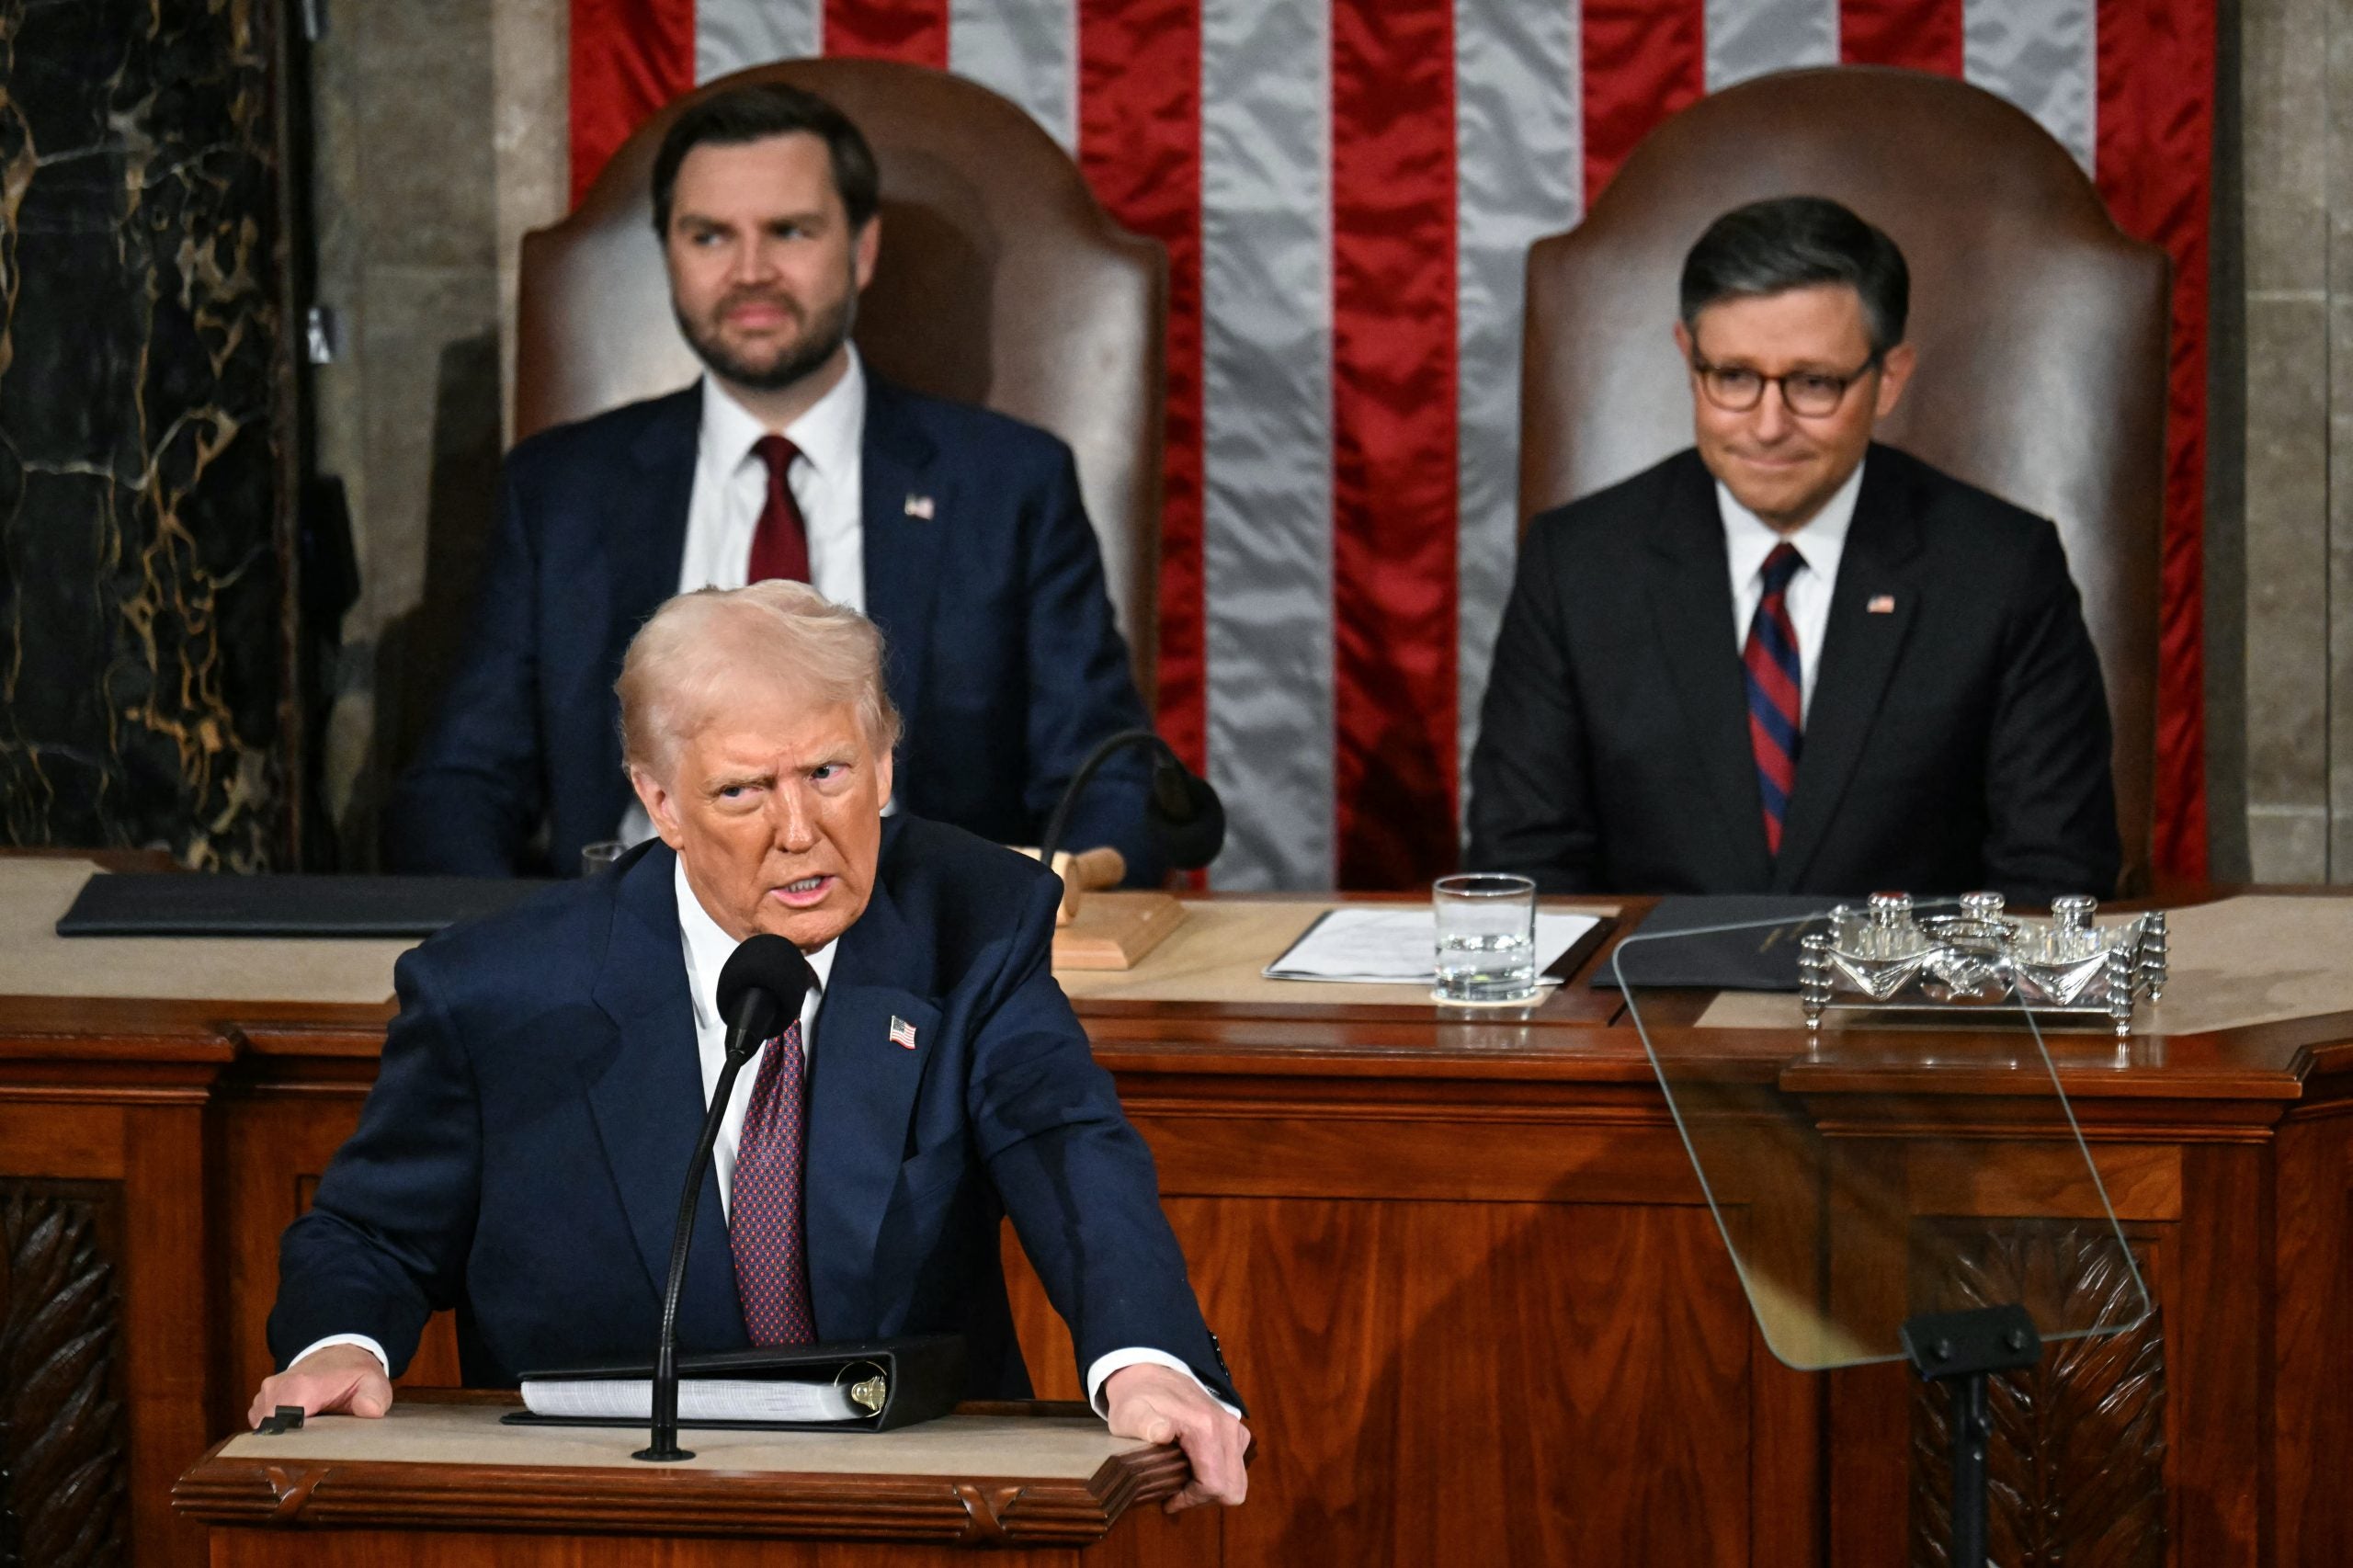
[(1862, 1168)]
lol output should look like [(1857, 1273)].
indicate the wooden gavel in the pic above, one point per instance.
[(1082, 872)]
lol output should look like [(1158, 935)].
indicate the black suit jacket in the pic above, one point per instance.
[(1957, 740), (1004, 659), (521, 1155)]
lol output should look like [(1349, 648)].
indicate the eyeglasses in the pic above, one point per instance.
[(1736, 389)]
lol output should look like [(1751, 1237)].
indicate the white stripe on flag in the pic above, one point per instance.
[(734, 35), (1750, 38), (2042, 55), (1519, 157), (1027, 49), (1267, 435)]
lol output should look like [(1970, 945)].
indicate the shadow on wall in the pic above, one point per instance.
[(418, 650)]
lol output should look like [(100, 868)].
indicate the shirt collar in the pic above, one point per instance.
[(709, 948), (829, 435), (1749, 538)]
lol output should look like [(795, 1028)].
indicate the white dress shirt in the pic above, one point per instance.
[(731, 487), (707, 950), (1748, 539)]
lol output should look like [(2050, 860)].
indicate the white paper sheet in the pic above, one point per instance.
[(1397, 944), (700, 1399)]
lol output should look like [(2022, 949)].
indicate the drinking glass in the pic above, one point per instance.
[(601, 856), (1486, 937)]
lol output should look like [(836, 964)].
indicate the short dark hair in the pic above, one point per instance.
[(754, 112), (1799, 242)]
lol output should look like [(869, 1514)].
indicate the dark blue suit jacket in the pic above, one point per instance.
[(521, 1155), (1004, 658)]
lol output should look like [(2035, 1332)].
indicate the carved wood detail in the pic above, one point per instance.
[(2075, 1473), (64, 1457)]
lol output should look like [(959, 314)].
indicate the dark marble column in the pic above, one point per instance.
[(143, 422)]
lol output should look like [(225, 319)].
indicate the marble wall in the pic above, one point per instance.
[(2295, 419), (142, 663), (441, 130)]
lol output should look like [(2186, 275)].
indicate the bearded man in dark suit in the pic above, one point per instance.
[(961, 532), (1790, 659)]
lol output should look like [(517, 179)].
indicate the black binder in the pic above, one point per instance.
[(175, 903), (923, 1379)]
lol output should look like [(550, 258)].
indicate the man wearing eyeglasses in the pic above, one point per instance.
[(1789, 659)]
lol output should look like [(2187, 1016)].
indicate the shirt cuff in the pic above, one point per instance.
[(370, 1345), (1137, 1356)]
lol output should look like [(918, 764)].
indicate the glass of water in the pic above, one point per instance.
[(601, 856), (1486, 937)]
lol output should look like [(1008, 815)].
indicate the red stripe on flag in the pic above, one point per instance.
[(913, 31), (1140, 144), (629, 58), (1921, 35), (1394, 486), (2154, 164), (1643, 61)]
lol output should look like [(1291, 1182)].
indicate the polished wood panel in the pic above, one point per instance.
[(1463, 1270), (379, 1507)]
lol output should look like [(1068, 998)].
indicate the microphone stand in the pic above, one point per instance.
[(664, 1449)]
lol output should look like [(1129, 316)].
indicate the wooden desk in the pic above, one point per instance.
[(440, 1481), (1461, 1266)]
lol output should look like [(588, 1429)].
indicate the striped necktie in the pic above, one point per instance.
[(763, 1218), (1774, 680)]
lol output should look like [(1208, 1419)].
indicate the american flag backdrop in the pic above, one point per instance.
[(1348, 189)]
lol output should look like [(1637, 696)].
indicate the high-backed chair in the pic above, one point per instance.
[(2040, 326), (1002, 282)]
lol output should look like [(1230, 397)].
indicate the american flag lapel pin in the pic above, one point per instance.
[(1882, 604), (903, 1033), (919, 506)]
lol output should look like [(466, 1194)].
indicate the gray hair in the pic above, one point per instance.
[(701, 648)]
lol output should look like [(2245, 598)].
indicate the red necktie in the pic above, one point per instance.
[(780, 543), (1774, 685), (764, 1221)]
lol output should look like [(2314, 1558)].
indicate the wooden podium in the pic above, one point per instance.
[(440, 1481)]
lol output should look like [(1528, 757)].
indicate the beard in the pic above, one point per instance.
[(820, 337)]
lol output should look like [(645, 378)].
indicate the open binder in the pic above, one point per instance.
[(893, 1382)]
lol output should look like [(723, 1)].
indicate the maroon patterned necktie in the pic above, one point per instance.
[(764, 1223), (1775, 682), (780, 542)]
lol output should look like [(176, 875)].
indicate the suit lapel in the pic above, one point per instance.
[(1691, 600), (1859, 648), (901, 543), (862, 1088), (645, 525), (647, 1100)]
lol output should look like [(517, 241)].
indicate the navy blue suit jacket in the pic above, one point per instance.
[(521, 1155), (1004, 659), (1958, 737)]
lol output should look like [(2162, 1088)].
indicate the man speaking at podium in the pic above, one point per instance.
[(1789, 659), (520, 1156)]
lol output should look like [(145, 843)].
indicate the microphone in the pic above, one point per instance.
[(1183, 813), (760, 991)]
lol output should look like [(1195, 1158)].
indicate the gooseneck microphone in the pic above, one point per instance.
[(760, 991), (1183, 812)]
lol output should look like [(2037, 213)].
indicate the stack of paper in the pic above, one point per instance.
[(1397, 944)]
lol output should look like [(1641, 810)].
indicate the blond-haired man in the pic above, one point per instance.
[(543, 1083)]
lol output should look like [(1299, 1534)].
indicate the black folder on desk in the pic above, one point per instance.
[(922, 1377), (173, 904), (1761, 958)]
